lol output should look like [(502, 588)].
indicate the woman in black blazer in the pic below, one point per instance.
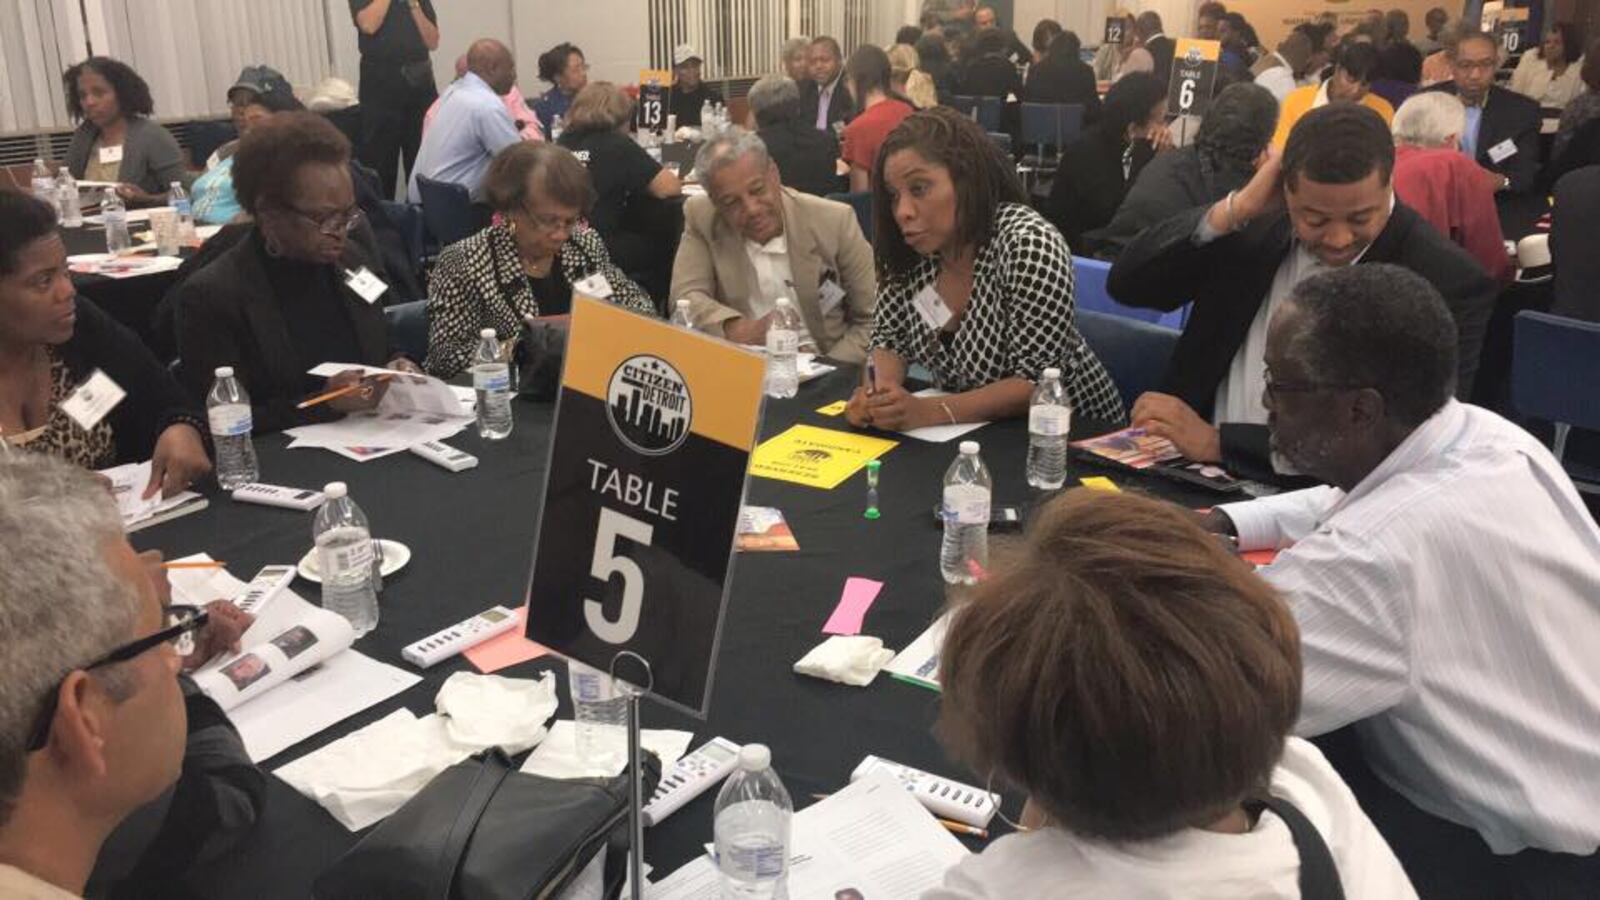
[(305, 286), (52, 341), (1097, 169)]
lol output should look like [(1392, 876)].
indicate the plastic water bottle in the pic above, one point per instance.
[(1049, 420), (491, 377), (345, 559), (180, 202), (228, 411), (44, 187), (681, 317), (783, 348), (967, 491), (557, 127), (600, 713), (752, 821), (115, 215), (67, 203), (707, 120)]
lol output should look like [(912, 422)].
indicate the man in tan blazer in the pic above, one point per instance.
[(751, 240)]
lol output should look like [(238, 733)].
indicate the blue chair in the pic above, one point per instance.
[(1089, 291), (206, 137), (408, 328), (983, 110), (448, 210), (862, 203), (1135, 353), (1052, 125), (407, 219), (1555, 365)]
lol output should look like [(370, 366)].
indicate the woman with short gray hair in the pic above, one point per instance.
[(806, 157), (796, 59)]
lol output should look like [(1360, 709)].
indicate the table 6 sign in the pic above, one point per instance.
[(1194, 77), (653, 435)]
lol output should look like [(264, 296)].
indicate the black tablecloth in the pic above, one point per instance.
[(471, 538), (131, 301)]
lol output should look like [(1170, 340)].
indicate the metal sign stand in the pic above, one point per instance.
[(636, 797)]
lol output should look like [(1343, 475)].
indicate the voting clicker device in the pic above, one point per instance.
[(262, 588), (445, 456), (277, 495), (461, 636), (691, 777), (941, 796)]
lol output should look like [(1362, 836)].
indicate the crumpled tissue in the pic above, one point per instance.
[(853, 660)]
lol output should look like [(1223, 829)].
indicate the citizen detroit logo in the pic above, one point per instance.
[(648, 404)]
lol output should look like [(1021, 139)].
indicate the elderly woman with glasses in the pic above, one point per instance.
[(305, 286), (528, 264)]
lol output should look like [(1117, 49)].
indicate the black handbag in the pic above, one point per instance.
[(1319, 875), (481, 830)]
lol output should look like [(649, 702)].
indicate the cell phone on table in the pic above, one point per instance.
[(1001, 518)]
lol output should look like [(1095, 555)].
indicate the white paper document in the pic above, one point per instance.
[(296, 674), (919, 661), (872, 836), (128, 482), (415, 409), (939, 434)]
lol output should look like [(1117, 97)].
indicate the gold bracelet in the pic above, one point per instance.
[(946, 407)]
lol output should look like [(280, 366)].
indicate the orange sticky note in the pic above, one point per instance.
[(1100, 483), (506, 649)]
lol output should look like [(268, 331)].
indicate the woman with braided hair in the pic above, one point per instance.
[(972, 283)]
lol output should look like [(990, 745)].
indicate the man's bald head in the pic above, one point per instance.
[(490, 60)]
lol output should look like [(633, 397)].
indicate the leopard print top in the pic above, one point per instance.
[(61, 437)]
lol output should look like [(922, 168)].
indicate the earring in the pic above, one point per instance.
[(274, 249), (511, 225)]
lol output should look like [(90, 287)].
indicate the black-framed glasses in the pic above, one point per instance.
[(1273, 388), (333, 224), (178, 627)]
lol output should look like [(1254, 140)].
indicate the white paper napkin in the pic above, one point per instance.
[(851, 660)]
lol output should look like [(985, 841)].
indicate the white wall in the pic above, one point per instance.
[(613, 35)]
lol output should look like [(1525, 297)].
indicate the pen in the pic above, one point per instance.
[(950, 825), (198, 564), (336, 393), (872, 376)]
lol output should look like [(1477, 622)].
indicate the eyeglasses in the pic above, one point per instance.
[(178, 627), (551, 224), (1477, 64), (333, 224), (1272, 387)]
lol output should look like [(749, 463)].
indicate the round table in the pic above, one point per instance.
[(131, 301), (471, 536)]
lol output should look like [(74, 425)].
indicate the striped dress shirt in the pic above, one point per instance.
[(1450, 605)]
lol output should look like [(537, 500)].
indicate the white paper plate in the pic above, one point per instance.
[(395, 557), (89, 258)]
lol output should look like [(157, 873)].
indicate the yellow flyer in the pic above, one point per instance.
[(816, 457)]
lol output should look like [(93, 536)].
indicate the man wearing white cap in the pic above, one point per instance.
[(689, 93)]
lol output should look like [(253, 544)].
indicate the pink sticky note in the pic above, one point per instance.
[(853, 605), (506, 649)]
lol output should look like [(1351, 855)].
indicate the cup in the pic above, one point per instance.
[(164, 223)]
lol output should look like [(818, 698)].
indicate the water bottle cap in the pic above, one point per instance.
[(1053, 372), (335, 490), (754, 757), (969, 448), (486, 333), (224, 371)]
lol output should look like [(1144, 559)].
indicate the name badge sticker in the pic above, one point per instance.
[(93, 400)]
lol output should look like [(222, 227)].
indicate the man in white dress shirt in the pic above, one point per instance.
[(1447, 587)]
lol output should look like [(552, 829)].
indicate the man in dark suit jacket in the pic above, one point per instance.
[(1575, 244), (827, 80), (1239, 258), (1156, 43), (1506, 140)]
